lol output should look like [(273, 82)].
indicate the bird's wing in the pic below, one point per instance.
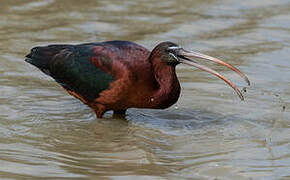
[(75, 72), (113, 63), (84, 72)]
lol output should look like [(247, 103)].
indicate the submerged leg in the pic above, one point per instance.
[(119, 112), (99, 109)]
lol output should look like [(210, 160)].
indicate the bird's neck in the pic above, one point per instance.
[(168, 87)]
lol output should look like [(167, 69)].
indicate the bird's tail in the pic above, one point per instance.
[(42, 57)]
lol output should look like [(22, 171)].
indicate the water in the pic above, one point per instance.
[(209, 133)]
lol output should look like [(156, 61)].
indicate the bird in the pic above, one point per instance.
[(117, 75)]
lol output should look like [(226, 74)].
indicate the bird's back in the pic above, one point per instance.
[(87, 69)]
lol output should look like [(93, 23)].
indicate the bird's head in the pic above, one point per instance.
[(173, 55)]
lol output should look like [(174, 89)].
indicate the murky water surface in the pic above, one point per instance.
[(209, 133)]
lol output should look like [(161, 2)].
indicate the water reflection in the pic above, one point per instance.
[(209, 133)]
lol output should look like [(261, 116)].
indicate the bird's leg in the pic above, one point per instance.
[(99, 109), (77, 96), (120, 112)]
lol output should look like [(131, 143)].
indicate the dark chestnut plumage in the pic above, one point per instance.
[(117, 75)]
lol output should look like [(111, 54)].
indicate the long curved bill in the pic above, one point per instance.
[(192, 54), (183, 57)]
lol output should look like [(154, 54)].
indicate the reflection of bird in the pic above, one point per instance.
[(117, 75)]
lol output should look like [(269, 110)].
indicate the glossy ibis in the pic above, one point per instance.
[(117, 75)]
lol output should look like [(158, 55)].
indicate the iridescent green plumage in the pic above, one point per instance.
[(71, 67)]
